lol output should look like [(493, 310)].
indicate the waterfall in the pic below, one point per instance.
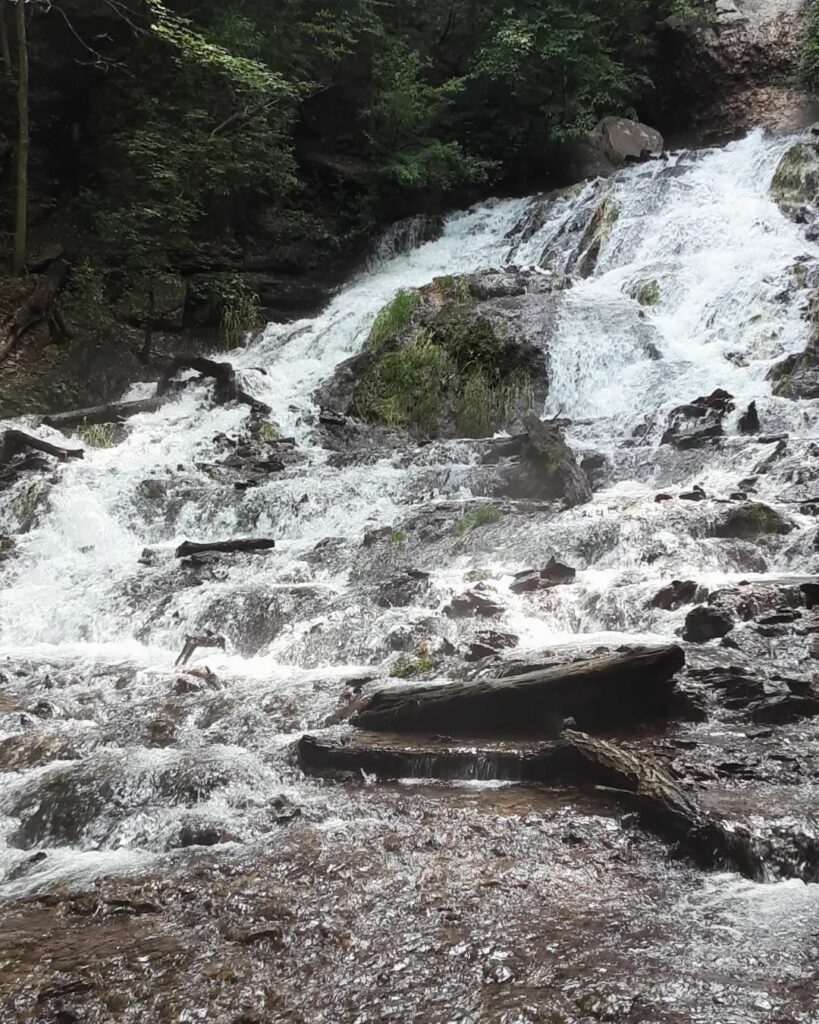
[(90, 635)]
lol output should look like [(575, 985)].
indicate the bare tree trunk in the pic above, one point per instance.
[(23, 143), (5, 50)]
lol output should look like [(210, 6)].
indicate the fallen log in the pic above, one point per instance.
[(114, 412), (626, 686), (190, 547), (193, 642), (38, 307), (227, 389), (14, 442)]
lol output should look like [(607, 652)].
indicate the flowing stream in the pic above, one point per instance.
[(108, 762)]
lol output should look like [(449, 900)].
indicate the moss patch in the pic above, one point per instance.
[(483, 516), (458, 373), (394, 318), (648, 293), (405, 667)]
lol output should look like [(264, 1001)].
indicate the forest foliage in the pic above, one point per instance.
[(151, 117)]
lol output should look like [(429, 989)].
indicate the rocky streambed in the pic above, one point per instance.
[(518, 719)]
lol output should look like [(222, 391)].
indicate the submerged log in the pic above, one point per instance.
[(190, 547), (227, 389), (670, 809), (617, 687), (14, 442), (114, 412)]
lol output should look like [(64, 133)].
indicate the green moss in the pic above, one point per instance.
[(268, 432), (239, 312), (648, 293), (397, 537), (451, 288), (405, 667), (97, 435), (459, 365), (483, 516), (404, 388), (393, 318)]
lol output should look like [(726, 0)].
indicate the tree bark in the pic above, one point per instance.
[(13, 442), (23, 143), (115, 412), (190, 547), (5, 49), (227, 390), (629, 686)]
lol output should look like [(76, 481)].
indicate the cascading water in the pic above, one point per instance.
[(107, 761)]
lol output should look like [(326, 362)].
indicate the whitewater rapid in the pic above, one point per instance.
[(702, 225)]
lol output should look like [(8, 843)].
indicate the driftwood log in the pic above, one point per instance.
[(14, 442), (114, 412), (38, 308), (190, 547), (619, 687), (227, 389), (194, 642)]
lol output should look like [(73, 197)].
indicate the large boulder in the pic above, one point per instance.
[(465, 356), (615, 142), (795, 186)]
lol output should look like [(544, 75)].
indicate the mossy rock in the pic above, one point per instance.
[(648, 293), (797, 377), (753, 519), (597, 233), (795, 184), (446, 361)]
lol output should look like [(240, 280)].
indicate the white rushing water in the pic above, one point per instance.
[(75, 600)]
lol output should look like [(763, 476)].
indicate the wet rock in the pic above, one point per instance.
[(486, 645), (797, 376), (391, 757), (473, 604), (202, 834), (698, 494), (553, 575), (700, 423), (790, 708), (539, 465), (677, 594), (749, 421), (706, 623), (404, 590), (751, 520)]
